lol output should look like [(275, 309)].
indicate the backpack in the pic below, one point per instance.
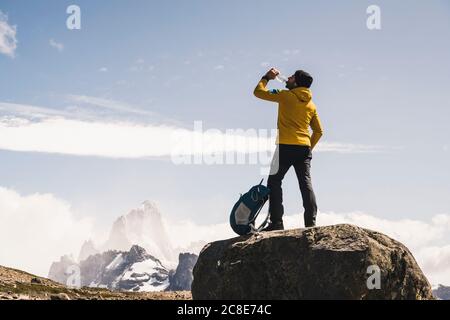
[(247, 208)]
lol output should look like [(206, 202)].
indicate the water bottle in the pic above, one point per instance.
[(281, 78)]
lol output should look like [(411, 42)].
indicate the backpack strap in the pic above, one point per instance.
[(257, 213), (263, 224), (252, 222), (255, 230)]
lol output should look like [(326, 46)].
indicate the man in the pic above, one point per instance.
[(296, 113)]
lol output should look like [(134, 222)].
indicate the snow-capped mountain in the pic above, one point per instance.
[(133, 270), (442, 292), (138, 256), (143, 226)]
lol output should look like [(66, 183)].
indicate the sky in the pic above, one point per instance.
[(88, 116)]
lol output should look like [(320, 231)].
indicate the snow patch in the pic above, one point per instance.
[(118, 260)]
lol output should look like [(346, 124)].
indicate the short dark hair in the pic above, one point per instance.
[(303, 79)]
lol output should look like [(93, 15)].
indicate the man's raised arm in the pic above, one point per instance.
[(262, 92)]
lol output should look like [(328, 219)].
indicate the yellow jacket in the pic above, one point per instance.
[(296, 113)]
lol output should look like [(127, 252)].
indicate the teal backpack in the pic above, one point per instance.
[(247, 208)]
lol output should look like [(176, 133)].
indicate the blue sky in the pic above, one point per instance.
[(174, 62)]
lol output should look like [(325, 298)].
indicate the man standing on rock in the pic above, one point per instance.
[(296, 113)]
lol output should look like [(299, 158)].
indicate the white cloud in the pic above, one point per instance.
[(74, 137), (128, 140), (57, 45), (413, 233), (183, 233), (8, 40), (429, 241), (37, 229), (85, 131), (219, 67), (103, 69), (435, 262)]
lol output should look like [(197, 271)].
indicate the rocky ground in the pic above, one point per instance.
[(19, 285)]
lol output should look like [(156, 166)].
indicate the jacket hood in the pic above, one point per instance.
[(303, 94)]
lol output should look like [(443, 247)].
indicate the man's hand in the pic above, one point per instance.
[(272, 74)]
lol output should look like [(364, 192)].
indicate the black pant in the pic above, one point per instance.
[(299, 157)]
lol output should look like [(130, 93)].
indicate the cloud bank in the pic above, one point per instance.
[(37, 229)]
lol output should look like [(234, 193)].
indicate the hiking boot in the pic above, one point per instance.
[(274, 226)]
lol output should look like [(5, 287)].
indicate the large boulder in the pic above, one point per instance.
[(332, 262)]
